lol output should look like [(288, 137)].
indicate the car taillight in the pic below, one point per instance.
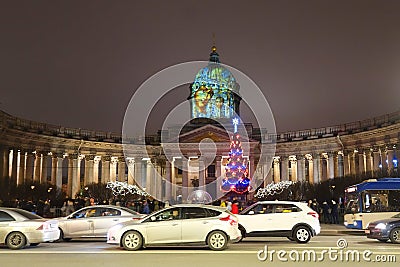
[(230, 219), (314, 214), (44, 226), (135, 219)]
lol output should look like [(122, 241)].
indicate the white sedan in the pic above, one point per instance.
[(180, 224), (20, 228)]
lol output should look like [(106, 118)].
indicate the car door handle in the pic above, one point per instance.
[(89, 221), (175, 224), (116, 220), (205, 222)]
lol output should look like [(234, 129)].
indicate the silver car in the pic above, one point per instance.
[(20, 228), (94, 221), (180, 224)]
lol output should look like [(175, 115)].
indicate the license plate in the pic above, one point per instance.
[(367, 231)]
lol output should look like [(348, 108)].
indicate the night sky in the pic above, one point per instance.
[(319, 63)]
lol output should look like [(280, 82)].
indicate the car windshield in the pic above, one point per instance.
[(396, 216), (27, 214)]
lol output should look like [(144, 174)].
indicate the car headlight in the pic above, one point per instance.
[(380, 226)]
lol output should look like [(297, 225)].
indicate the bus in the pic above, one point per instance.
[(371, 200)]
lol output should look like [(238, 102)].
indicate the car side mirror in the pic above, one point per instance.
[(251, 212), (153, 218)]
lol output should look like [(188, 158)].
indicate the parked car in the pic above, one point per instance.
[(294, 220), (385, 229), (94, 221), (180, 224), (20, 228)]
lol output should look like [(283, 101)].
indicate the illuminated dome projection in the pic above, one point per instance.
[(214, 92)]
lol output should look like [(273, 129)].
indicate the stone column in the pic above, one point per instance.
[(284, 168), (346, 163), (53, 168), (89, 171), (113, 169), (43, 173), (105, 169), (149, 186), (138, 172), (37, 166), (310, 169), (59, 168), (331, 165), (70, 174), (316, 168), (277, 171), (21, 172), (369, 161), (121, 169), (4, 162), (131, 171), (168, 181), (340, 165), (30, 159), (202, 173), (293, 165), (96, 167), (76, 171), (390, 156), (377, 161), (185, 180), (301, 168), (362, 163), (218, 173), (384, 157), (353, 170), (14, 166)]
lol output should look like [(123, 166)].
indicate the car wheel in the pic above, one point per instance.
[(217, 240), (16, 240), (132, 240), (382, 240), (290, 238), (33, 244), (302, 234), (395, 235)]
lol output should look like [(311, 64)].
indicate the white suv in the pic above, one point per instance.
[(294, 220)]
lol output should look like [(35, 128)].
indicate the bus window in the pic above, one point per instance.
[(351, 205)]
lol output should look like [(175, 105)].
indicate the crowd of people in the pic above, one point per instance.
[(329, 210)]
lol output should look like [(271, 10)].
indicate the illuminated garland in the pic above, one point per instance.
[(123, 188), (273, 189)]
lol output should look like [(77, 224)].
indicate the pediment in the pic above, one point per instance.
[(212, 132)]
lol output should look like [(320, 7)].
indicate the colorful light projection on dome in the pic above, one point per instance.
[(214, 92), (236, 177)]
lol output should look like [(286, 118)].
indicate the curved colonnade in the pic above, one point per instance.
[(72, 158)]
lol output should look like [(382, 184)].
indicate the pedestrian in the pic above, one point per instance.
[(229, 206), (235, 207), (334, 212), (146, 208), (326, 211)]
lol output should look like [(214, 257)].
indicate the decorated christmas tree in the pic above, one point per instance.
[(236, 177)]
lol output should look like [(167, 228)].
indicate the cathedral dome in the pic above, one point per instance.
[(214, 92), (215, 75)]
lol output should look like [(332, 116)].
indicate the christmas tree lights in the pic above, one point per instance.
[(236, 177)]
